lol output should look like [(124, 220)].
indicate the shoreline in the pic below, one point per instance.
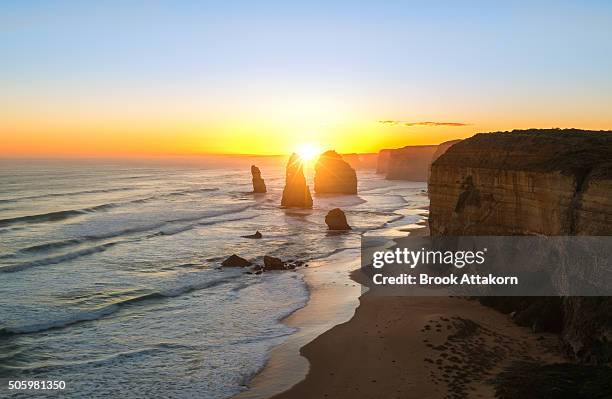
[(333, 300), (335, 295)]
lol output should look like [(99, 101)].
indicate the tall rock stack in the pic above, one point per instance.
[(259, 186), (333, 175), (296, 193), (533, 182)]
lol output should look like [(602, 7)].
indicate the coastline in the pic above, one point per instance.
[(349, 344), (335, 295), (333, 300)]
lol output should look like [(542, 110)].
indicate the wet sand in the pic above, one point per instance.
[(333, 299)]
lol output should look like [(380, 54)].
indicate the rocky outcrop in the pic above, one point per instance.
[(336, 220), (273, 263), (407, 163), (296, 193), (550, 182), (259, 186), (442, 148), (235, 261), (256, 235), (333, 175)]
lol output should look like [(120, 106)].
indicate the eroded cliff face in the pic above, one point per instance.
[(382, 164), (408, 163), (551, 182)]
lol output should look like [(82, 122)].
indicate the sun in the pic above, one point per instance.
[(307, 151)]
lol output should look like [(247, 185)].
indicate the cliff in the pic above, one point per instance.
[(442, 148), (407, 163), (551, 182), (382, 164), (334, 175), (296, 192), (361, 161)]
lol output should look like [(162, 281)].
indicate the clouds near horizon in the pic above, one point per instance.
[(427, 123)]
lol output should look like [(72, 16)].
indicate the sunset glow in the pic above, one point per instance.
[(308, 151), (262, 80)]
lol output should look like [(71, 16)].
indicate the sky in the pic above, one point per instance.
[(198, 77)]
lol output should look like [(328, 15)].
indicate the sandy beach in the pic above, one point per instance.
[(393, 347)]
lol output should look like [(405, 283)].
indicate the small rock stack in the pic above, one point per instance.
[(259, 186)]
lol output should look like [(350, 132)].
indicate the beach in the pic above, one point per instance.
[(393, 347)]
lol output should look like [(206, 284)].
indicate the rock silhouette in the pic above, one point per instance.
[(334, 175), (272, 263), (254, 236), (235, 261), (336, 220), (296, 193), (259, 186)]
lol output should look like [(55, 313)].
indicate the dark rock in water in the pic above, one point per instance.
[(336, 220), (259, 186), (296, 193), (235, 261), (334, 175), (255, 236), (272, 263)]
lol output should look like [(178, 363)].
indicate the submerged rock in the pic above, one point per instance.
[(272, 263), (336, 220), (259, 186), (334, 175), (296, 193), (235, 261), (257, 235)]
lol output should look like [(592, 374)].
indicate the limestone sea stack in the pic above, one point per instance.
[(336, 220), (259, 186), (296, 193), (333, 175), (533, 182)]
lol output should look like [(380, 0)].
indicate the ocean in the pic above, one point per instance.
[(110, 278)]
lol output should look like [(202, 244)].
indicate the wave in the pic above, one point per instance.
[(103, 247), (57, 259), (98, 313), (65, 214), (73, 193), (54, 216)]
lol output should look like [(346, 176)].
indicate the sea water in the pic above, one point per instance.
[(110, 278)]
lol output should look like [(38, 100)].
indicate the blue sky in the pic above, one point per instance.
[(493, 65)]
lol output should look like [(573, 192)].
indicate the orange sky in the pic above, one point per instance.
[(93, 78)]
